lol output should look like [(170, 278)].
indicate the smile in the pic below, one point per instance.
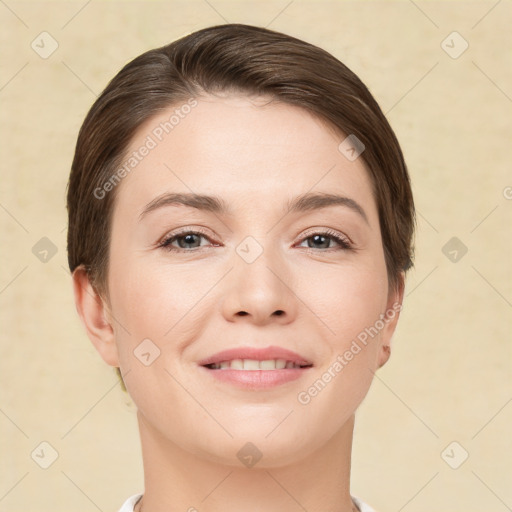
[(254, 365), (254, 368)]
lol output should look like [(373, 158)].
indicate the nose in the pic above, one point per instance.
[(260, 292)]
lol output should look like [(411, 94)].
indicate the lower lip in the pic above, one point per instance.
[(257, 379)]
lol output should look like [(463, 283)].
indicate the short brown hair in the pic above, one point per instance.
[(231, 58)]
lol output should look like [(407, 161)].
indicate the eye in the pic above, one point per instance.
[(323, 239), (185, 240), (190, 240)]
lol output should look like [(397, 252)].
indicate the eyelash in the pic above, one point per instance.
[(344, 243)]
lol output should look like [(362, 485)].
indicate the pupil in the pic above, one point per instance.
[(318, 238), (188, 239)]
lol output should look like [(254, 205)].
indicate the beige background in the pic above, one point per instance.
[(449, 378)]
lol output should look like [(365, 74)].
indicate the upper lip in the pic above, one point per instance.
[(258, 354)]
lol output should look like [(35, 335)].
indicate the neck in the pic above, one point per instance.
[(175, 479)]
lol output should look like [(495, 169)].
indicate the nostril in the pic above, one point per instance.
[(279, 312)]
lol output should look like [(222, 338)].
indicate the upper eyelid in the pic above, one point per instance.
[(185, 231), (326, 231)]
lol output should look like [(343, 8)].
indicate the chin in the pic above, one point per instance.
[(254, 448)]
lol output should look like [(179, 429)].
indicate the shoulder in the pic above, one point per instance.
[(130, 503), (363, 507)]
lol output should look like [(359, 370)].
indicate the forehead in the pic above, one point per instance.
[(240, 148)]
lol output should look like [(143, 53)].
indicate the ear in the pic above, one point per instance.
[(391, 315), (94, 313)]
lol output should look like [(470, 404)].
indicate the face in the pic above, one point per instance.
[(282, 266)]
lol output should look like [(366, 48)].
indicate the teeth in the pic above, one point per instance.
[(253, 364), (236, 364), (267, 365)]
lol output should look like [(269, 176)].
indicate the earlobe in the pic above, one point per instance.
[(391, 315), (94, 315), (384, 354)]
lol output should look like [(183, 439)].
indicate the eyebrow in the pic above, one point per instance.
[(306, 202)]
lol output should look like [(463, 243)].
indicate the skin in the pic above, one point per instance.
[(256, 156)]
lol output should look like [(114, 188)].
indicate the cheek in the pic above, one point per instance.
[(346, 300), (145, 295), (155, 308), (160, 302), (349, 306)]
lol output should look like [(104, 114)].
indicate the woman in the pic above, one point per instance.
[(240, 225)]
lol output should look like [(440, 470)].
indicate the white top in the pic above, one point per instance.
[(129, 504)]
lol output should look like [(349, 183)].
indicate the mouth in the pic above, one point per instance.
[(252, 368), (254, 365)]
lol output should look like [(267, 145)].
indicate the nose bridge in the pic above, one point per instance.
[(258, 285)]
